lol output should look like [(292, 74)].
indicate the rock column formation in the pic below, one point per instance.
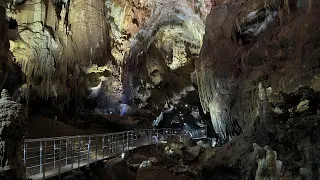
[(12, 131)]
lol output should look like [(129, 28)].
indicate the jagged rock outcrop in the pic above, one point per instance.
[(12, 132), (253, 42)]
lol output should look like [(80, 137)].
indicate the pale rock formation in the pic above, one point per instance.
[(12, 132)]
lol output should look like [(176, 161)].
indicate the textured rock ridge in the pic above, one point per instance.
[(12, 131)]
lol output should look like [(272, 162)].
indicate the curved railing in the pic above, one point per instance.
[(49, 157)]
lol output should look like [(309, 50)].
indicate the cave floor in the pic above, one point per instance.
[(162, 169), (159, 173)]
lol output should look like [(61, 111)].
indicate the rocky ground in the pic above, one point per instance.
[(173, 161), (294, 143)]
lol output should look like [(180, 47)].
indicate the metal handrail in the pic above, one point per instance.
[(40, 156), (91, 135)]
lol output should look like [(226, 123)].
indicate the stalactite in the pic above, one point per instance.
[(287, 6), (50, 52), (309, 7), (213, 101)]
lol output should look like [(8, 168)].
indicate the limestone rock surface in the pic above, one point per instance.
[(252, 44)]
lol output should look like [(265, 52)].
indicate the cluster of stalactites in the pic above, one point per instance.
[(215, 95), (212, 102), (206, 87), (177, 21), (51, 52)]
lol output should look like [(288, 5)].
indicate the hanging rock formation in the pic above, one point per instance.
[(67, 48), (58, 44), (163, 52)]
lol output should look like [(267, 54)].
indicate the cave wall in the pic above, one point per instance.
[(11, 76), (73, 50), (57, 44), (162, 54), (274, 44)]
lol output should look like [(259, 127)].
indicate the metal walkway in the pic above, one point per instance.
[(49, 157)]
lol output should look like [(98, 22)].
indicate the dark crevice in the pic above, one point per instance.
[(135, 21), (13, 24)]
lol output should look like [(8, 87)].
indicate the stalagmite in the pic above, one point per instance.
[(265, 109)]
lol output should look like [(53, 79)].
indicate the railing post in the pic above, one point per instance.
[(164, 134), (60, 146), (25, 151), (141, 138), (131, 141), (54, 154), (110, 142), (123, 142), (117, 143), (128, 141), (97, 148), (103, 147), (40, 156), (88, 158), (44, 160), (72, 153), (66, 151), (79, 151)]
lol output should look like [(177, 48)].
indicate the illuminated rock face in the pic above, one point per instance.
[(57, 43), (66, 47), (162, 53), (10, 73), (252, 43)]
